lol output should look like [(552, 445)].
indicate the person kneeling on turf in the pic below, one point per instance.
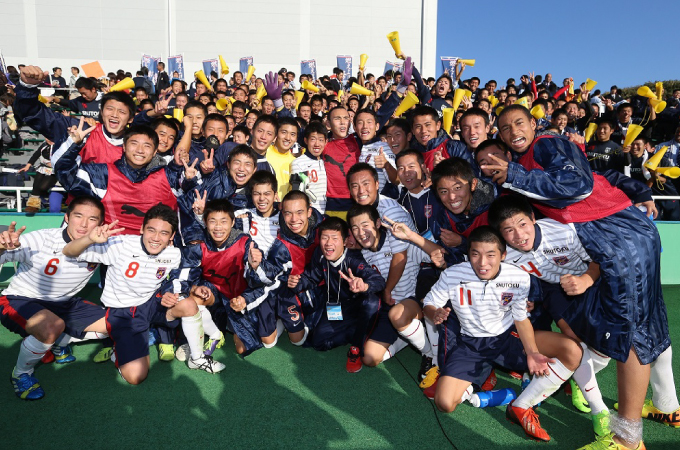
[(489, 299), (349, 307), (143, 285)]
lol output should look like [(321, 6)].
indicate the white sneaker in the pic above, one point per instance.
[(182, 353), (206, 363)]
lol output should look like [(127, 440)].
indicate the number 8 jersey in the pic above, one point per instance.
[(134, 275), (44, 272)]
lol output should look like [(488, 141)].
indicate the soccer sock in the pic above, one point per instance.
[(584, 375), (543, 387), (467, 394), (600, 361), (63, 340), (304, 338), (663, 386), (279, 331), (394, 348), (208, 324), (30, 352), (415, 334), (89, 335), (193, 331), (433, 336)]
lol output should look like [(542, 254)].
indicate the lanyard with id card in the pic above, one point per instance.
[(334, 311)]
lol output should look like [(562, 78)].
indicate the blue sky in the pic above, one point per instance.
[(621, 42)]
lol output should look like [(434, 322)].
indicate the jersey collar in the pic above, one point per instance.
[(338, 261), (66, 236), (539, 236)]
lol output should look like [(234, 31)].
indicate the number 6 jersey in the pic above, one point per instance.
[(44, 272)]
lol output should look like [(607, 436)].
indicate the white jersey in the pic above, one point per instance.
[(133, 276), (44, 272), (557, 251), (368, 153), (390, 208), (315, 171), (263, 230), (381, 259), (485, 308)]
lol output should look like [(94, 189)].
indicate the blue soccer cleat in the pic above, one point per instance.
[(63, 355), (26, 387)]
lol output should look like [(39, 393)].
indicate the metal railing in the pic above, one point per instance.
[(18, 190)]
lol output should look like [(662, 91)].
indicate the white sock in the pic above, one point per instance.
[(584, 375), (89, 335), (415, 334), (63, 340), (31, 351), (600, 361), (208, 324), (467, 394), (543, 387), (304, 338), (279, 331), (193, 331), (433, 336), (664, 396), (394, 348)]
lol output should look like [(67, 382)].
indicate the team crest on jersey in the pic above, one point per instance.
[(91, 266), (506, 297), (561, 260), (428, 211), (368, 158), (160, 273)]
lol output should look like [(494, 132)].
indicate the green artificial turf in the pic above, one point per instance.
[(280, 398)]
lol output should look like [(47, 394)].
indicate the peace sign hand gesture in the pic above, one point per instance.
[(101, 234), (77, 133), (190, 171), (356, 284), (199, 203), (9, 239), (208, 165)]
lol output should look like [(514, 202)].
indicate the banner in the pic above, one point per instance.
[(308, 67), (244, 63), (396, 67), (345, 64), (449, 65), (211, 65), (176, 64), (93, 69), (151, 63)]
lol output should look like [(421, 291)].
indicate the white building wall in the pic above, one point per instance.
[(276, 33)]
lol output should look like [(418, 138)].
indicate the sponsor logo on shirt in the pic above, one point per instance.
[(552, 251), (507, 285), (164, 261)]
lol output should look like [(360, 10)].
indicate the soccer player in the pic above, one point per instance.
[(433, 142), (264, 133), (399, 321), (339, 155), (308, 172), (289, 254), (487, 288), (226, 254), (262, 221), (419, 201), (105, 143), (374, 151), (40, 302), (554, 173), (280, 154), (348, 309), (147, 283)]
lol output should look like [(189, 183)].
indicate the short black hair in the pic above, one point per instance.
[(218, 205), (216, 118), (87, 200), (87, 83), (242, 128), (424, 111), (479, 112), (288, 121), (295, 195), (360, 167), (240, 105), (452, 168), (144, 130), (334, 224), (196, 104), (264, 177), (506, 207), (266, 118), (170, 123), (357, 210), (487, 234), (242, 149), (164, 213), (315, 127), (121, 97), (365, 111), (492, 143), (410, 152), (399, 123)]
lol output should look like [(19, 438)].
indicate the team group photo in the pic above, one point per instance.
[(205, 243)]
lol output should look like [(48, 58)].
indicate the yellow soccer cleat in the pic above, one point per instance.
[(166, 352), (607, 442), (430, 377)]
